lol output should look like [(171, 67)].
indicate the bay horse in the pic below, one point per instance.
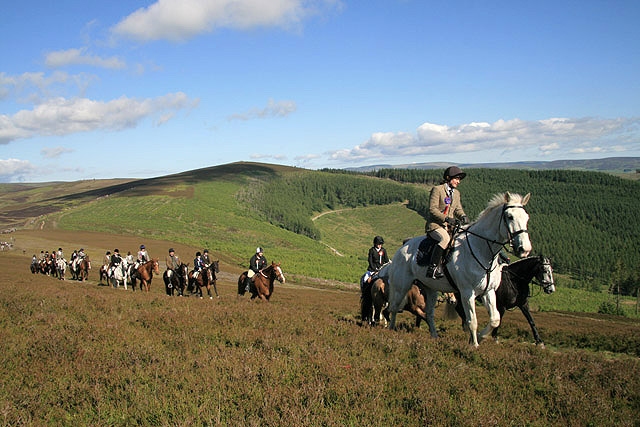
[(104, 273), (471, 269), (262, 282), (176, 280), (82, 268), (212, 273), (144, 273), (514, 289), (375, 301), (205, 279)]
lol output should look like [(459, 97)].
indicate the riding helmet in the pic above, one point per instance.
[(198, 253), (378, 240), (171, 250), (115, 251), (453, 172), (259, 249), (141, 246)]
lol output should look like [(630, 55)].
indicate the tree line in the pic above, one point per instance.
[(585, 221)]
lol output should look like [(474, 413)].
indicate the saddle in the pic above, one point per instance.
[(423, 255)]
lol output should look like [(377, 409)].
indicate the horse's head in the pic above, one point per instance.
[(278, 272), (216, 266), (515, 218), (156, 266), (545, 275), (183, 270)]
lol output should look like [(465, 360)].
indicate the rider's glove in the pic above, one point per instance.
[(465, 220), (450, 221)]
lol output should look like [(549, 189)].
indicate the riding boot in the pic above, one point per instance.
[(432, 270), (247, 284)]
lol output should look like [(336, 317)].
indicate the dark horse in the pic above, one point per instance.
[(514, 289), (144, 273), (206, 278), (176, 280), (262, 282)]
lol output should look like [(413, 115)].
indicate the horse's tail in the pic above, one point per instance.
[(241, 285), (366, 302)]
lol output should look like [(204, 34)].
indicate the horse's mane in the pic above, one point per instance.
[(499, 200)]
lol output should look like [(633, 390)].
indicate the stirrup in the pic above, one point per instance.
[(433, 272)]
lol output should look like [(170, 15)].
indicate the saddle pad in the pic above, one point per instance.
[(423, 256)]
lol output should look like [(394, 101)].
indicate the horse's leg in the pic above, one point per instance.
[(471, 321), (392, 321), (527, 314), (489, 300), (494, 333), (209, 291), (431, 299), (215, 287)]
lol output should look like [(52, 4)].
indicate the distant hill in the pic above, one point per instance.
[(583, 219), (615, 165)]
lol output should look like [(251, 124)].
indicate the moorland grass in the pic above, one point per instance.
[(80, 354)]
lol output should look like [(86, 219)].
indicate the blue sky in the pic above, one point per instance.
[(135, 89)]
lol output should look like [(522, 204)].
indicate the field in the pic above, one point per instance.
[(84, 354)]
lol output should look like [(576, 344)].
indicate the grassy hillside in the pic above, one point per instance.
[(230, 210), (204, 209)]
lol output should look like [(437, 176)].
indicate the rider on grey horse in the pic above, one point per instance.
[(444, 207)]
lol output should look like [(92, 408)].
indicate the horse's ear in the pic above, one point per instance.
[(526, 198), (507, 197)]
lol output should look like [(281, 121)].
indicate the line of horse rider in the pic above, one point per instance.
[(54, 263)]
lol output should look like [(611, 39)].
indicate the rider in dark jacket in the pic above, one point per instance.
[(256, 263)]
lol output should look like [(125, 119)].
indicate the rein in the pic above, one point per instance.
[(488, 270)]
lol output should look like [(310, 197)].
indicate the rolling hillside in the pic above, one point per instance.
[(231, 209)]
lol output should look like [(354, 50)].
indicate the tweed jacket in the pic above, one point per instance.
[(437, 207)]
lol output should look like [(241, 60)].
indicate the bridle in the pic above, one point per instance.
[(494, 253), (540, 277), (276, 273)]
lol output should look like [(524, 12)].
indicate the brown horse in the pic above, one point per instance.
[(262, 282), (104, 270), (205, 279), (144, 273), (415, 302), (212, 274), (83, 268)]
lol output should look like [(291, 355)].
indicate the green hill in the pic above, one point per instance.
[(321, 223)]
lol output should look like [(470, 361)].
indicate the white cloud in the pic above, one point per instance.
[(180, 20), (51, 153), (63, 58), (258, 156), (14, 169), (586, 135), (32, 87), (61, 116), (273, 109)]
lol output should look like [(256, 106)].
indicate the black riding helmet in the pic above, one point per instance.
[(453, 172), (378, 241)]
